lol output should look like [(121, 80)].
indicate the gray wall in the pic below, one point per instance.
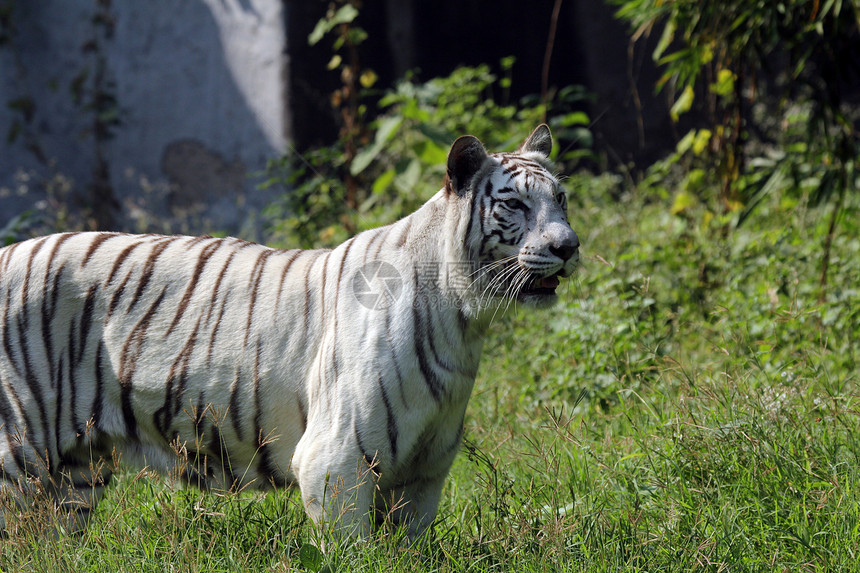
[(200, 96)]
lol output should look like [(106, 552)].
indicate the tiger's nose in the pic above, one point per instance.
[(566, 248)]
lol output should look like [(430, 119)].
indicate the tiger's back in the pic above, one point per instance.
[(119, 338)]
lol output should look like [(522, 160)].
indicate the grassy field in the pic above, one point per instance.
[(692, 404)]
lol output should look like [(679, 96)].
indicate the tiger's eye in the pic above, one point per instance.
[(514, 204)]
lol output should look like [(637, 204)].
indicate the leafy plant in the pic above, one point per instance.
[(339, 22), (784, 55), (10, 232), (403, 163)]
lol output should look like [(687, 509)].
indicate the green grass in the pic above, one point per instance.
[(691, 405)]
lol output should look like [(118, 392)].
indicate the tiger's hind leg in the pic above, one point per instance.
[(77, 491), (22, 474), (34, 499), (80, 482)]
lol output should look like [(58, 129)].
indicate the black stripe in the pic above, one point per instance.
[(385, 231), (24, 316), (308, 298), (7, 255), (463, 321), (119, 259), (391, 422), (98, 399), (254, 284), (394, 361), (235, 413), (371, 461), (7, 330), (202, 259), (258, 408), (49, 309), (302, 412), (59, 407), (131, 351), (117, 295), (199, 413), (149, 269), (86, 322), (322, 371), (50, 292), (488, 188), (17, 455), (378, 233), (215, 329), (213, 301), (430, 337), (72, 381), (265, 466), (35, 387), (287, 265), (175, 386), (217, 449), (434, 385), (334, 356), (6, 411), (193, 241), (217, 288), (405, 234), (97, 242)]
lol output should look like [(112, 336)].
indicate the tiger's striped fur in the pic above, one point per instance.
[(262, 366)]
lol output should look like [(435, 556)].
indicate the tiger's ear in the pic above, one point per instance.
[(466, 157), (540, 141)]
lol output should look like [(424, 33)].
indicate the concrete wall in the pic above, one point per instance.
[(200, 95)]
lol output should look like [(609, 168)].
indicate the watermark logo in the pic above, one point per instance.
[(377, 285)]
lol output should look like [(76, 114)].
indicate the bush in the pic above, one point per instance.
[(774, 77), (403, 162)]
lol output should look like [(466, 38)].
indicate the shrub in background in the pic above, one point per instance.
[(333, 194), (774, 79)]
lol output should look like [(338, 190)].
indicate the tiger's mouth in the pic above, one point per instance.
[(540, 287)]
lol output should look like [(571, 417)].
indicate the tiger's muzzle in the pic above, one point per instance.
[(540, 290)]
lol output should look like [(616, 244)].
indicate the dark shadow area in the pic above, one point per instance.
[(590, 48)]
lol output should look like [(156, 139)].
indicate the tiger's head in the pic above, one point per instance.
[(518, 233)]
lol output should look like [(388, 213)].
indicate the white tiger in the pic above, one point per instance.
[(344, 371)]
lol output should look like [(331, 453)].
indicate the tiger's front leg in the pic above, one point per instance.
[(414, 506), (338, 496)]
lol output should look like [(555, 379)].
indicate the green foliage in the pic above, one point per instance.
[(345, 14), (376, 173), (789, 58), (11, 231), (736, 53), (679, 283), (312, 212), (697, 396), (403, 163)]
